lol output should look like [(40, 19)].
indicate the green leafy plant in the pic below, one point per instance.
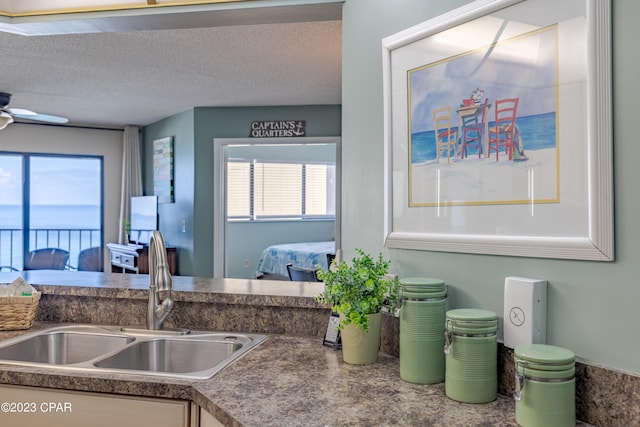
[(127, 225), (358, 289)]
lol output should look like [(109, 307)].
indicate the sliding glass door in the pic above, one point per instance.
[(50, 201), (11, 211)]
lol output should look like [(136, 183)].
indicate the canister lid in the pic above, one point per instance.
[(544, 361), (422, 282), (471, 314), (422, 287), (426, 296), (471, 321), (544, 354)]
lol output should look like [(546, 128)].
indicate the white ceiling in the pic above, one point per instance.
[(140, 76)]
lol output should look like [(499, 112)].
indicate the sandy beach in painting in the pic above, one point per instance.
[(484, 181)]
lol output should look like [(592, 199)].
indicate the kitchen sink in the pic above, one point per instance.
[(174, 355), (63, 348), (187, 354)]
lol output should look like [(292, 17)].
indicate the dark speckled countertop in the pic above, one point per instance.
[(297, 382), (291, 379)]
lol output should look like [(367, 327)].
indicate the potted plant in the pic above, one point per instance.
[(358, 292)]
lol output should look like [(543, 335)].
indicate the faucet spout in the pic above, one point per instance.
[(159, 281)]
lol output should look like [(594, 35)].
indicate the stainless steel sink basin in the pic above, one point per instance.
[(176, 355), (64, 348), (187, 354)]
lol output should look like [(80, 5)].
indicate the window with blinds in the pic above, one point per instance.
[(272, 190)]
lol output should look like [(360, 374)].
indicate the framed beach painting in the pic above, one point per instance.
[(498, 131), (163, 169)]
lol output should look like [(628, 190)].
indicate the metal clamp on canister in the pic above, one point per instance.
[(548, 374), (519, 378), (448, 337), (543, 373), (468, 328), (471, 351)]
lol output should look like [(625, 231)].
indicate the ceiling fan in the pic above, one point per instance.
[(8, 114)]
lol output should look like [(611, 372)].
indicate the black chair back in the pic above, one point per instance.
[(46, 259), (90, 259), (301, 274)]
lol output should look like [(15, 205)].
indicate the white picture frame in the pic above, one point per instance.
[(575, 219)]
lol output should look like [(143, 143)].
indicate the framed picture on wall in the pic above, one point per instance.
[(163, 169), (498, 131)]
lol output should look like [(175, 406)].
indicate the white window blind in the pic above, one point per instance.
[(320, 190), (238, 182), (267, 190), (277, 190)]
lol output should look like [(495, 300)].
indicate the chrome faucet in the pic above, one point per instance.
[(159, 280)]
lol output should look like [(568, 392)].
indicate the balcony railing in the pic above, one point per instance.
[(72, 240)]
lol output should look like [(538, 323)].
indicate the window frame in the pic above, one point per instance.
[(219, 190), (252, 216), (26, 192)]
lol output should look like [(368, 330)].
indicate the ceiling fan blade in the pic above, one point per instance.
[(20, 112), (40, 117)]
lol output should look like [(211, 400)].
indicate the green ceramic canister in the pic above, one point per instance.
[(471, 362), (545, 386), (422, 313)]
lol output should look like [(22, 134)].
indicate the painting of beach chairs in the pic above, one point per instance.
[(483, 125)]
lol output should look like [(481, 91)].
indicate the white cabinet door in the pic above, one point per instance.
[(35, 407)]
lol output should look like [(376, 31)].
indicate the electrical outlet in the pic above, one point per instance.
[(245, 263)]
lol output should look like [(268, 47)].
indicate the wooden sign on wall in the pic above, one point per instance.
[(277, 129)]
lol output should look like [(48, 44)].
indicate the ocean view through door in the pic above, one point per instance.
[(49, 201)]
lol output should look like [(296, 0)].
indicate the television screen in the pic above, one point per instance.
[(144, 218)]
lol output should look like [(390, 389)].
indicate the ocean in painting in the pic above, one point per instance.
[(538, 132)]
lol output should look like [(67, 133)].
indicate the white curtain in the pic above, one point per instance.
[(131, 177)]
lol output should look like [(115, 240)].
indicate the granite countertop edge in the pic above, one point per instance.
[(185, 288), (306, 384)]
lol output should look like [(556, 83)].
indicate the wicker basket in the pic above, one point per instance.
[(18, 312)]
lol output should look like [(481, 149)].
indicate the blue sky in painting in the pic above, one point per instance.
[(524, 68)]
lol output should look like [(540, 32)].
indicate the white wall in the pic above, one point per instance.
[(67, 140)]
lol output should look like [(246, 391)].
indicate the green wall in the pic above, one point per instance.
[(592, 306), (193, 133), (172, 215)]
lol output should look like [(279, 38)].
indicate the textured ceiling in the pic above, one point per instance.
[(139, 77)]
